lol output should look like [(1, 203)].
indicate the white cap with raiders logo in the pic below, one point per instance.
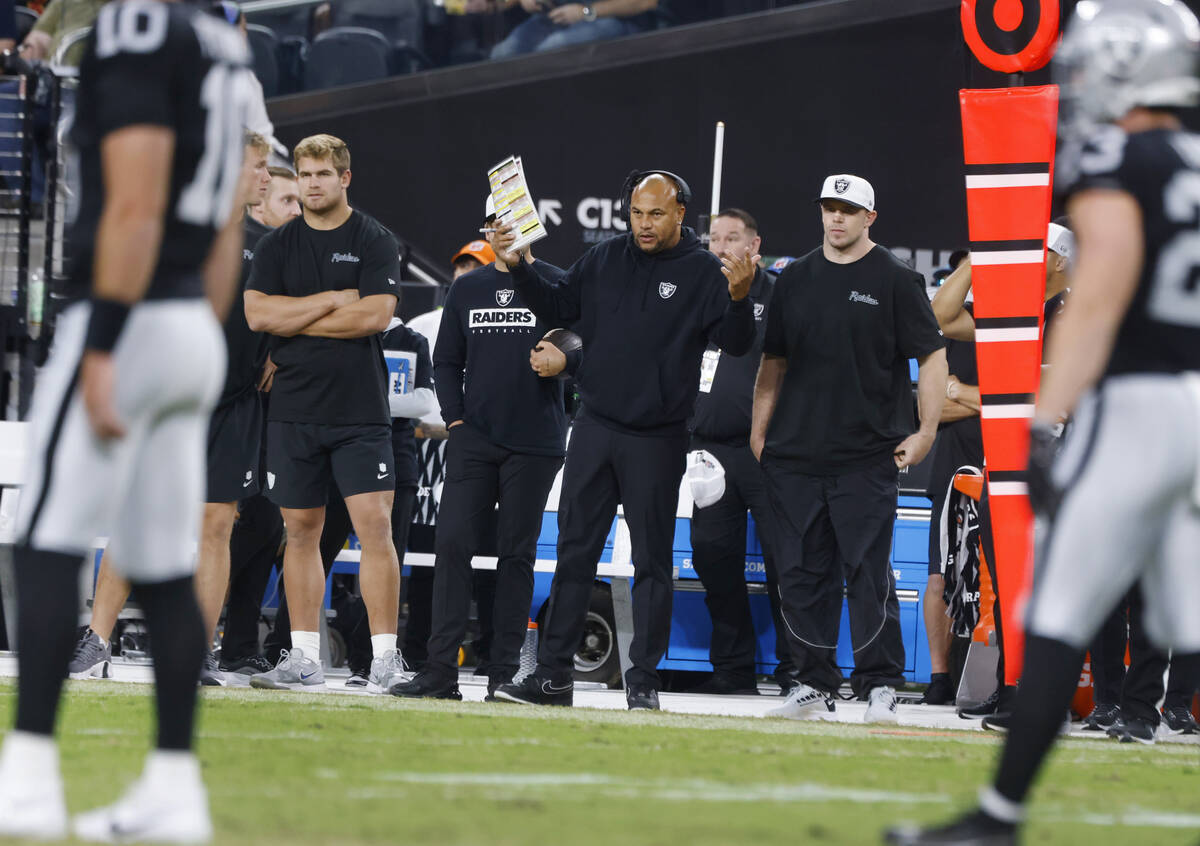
[(849, 189), (1060, 240)]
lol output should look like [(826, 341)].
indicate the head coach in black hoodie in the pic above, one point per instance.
[(646, 305)]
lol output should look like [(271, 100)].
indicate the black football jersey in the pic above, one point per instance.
[(166, 65), (1160, 332)]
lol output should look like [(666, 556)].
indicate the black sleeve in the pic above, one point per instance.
[(554, 303), (917, 332), (449, 361), (1099, 163), (424, 377), (775, 338), (266, 272), (380, 271), (132, 74)]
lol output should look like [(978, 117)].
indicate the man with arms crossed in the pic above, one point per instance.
[(122, 408), (325, 286)]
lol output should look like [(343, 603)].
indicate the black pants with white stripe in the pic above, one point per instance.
[(719, 559), (834, 536), (605, 467)]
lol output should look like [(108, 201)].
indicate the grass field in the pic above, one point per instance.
[(308, 769)]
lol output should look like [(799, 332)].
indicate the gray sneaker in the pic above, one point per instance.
[(387, 671), (92, 658), (210, 673), (295, 671)]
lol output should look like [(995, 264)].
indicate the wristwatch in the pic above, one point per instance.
[(589, 13)]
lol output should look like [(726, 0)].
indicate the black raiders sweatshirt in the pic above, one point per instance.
[(481, 369), (645, 320)]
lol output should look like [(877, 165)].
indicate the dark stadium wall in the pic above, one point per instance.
[(879, 100)]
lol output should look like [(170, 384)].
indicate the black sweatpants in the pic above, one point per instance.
[(1138, 689), (719, 559), (479, 475), (604, 467), (253, 549), (835, 532), (1183, 682), (333, 537)]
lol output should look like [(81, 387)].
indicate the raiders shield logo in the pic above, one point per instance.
[(504, 296), (666, 290), (841, 185), (758, 310)]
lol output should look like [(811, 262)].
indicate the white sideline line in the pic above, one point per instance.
[(680, 790)]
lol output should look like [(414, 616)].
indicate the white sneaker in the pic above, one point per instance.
[(387, 671), (294, 671), (804, 703), (31, 795), (168, 804), (881, 706)]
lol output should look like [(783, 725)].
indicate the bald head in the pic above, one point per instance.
[(655, 214)]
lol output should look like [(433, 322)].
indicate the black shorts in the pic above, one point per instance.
[(303, 459), (234, 438)]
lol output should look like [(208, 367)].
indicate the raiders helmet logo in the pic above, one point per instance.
[(666, 290), (841, 185), (758, 310), (504, 296)]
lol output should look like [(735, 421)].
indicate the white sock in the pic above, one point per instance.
[(33, 756), (382, 644), (998, 807), (309, 643), (172, 766), (103, 642)]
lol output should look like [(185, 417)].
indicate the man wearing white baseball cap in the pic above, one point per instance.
[(832, 427)]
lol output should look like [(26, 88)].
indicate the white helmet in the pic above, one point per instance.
[(1118, 54), (706, 477)]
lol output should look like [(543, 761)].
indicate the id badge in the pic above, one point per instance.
[(708, 369)]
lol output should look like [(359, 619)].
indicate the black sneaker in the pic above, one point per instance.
[(1102, 718), (1179, 720), (210, 672), (974, 829), (494, 683), (537, 690), (427, 686), (641, 697), (1134, 730), (723, 684), (1000, 700), (239, 670), (940, 691), (997, 722)]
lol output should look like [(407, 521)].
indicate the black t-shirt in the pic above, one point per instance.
[(481, 362), (164, 65), (1160, 332), (328, 380), (247, 350), (847, 332), (404, 447), (725, 403)]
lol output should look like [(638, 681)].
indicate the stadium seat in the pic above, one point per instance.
[(292, 54), (265, 48), (295, 21), (345, 55), (403, 25)]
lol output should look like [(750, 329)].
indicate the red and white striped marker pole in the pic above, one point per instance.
[(1008, 150)]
